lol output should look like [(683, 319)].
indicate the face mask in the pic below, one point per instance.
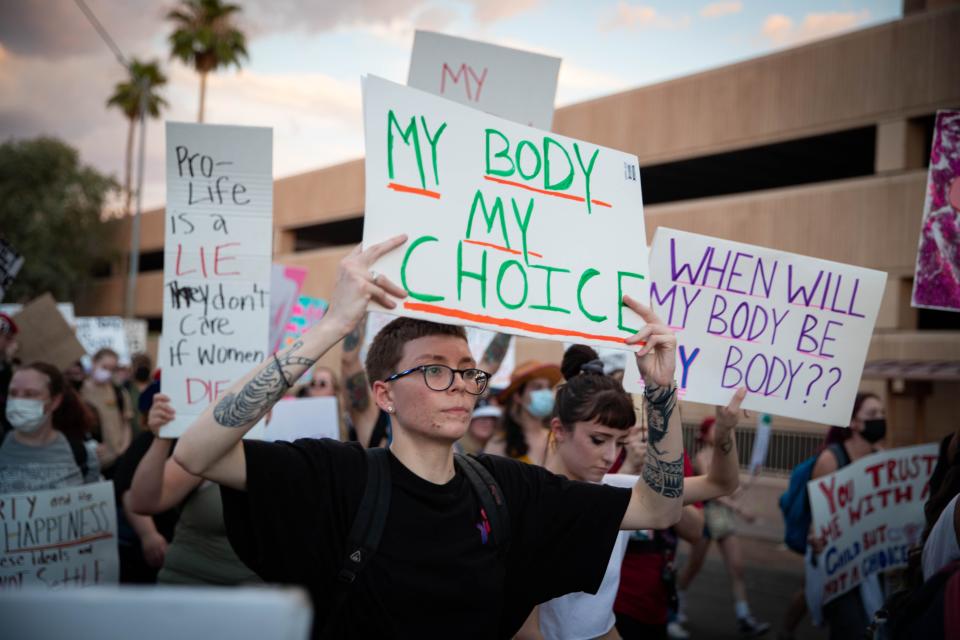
[(874, 430), (541, 403), (101, 375), (25, 415)]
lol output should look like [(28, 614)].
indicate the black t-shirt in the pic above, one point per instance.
[(435, 574)]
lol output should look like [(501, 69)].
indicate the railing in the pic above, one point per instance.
[(787, 449)]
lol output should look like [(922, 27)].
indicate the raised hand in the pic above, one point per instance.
[(635, 445), (727, 418), (357, 285), (161, 413), (657, 359)]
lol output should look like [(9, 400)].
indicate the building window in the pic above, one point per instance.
[(329, 234)]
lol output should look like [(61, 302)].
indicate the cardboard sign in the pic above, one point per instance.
[(871, 514), (477, 339), (135, 331), (510, 229), (59, 538), (10, 264), (106, 332), (294, 418), (513, 84), (794, 330), (65, 308), (285, 285), (936, 283), (45, 335), (217, 257)]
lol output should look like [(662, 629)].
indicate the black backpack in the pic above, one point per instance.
[(367, 528)]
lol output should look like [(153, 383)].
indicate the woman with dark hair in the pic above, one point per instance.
[(848, 615), (45, 450), (593, 421), (528, 401)]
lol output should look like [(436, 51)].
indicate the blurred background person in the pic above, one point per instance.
[(527, 404), (483, 424), (114, 409)]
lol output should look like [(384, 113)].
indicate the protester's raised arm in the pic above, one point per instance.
[(657, 500), (358, 397), (211, 447), (723, 474)]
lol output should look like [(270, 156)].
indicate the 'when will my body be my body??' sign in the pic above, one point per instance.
[(510, 228), (217, 262), (794, 330)]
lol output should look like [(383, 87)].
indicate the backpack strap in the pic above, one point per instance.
[(492, 505), (840, 453), (79, 450), (366, 531)]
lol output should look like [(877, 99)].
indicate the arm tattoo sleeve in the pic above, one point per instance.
[(355, 337), (497, 348), (358, 391), (663, 476), (259, 394)]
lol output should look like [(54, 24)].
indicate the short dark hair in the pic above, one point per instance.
[(589, 395), (387, 347), (105, 351)]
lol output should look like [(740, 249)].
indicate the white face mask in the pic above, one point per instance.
[(101, 375), (25, 414)]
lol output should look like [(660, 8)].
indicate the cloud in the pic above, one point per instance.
[(59, 28), (486, 12), (781, 30), (717, 9), (630, 16), (580, 83)]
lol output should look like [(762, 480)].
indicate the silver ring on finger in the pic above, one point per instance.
[(373, 276)]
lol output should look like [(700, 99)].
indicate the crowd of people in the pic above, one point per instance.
[(550, 508)]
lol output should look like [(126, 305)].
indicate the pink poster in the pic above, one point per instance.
[(936, 284), (285, 285)]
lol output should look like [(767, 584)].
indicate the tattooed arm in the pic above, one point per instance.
[(723, 467), (657, 501), (356, 387), (211, 447), (494, 353)]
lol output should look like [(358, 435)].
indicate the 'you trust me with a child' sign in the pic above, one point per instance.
[(510, 228), (792, 329)]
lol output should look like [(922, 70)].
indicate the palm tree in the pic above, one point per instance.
[(206, 37), (144, 77)]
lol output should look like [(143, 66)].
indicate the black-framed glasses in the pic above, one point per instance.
[(439, 377)]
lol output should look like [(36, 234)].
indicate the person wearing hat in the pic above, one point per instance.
[(527, 402), (8, 343), (483, 424)]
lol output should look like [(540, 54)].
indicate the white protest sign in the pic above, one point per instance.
[(10, 264), (794, 330), (871, 514), (135, 330), (761, 443), (217, 257), (294, 418), (509, 228), (104, 332), (478, 339), (510, 83), (59, 538)]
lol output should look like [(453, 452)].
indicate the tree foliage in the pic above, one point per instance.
[(50, 211)]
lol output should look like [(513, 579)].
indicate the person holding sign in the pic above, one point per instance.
[(440, 559), (593, 422)]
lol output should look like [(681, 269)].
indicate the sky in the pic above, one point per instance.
[(307, 56)]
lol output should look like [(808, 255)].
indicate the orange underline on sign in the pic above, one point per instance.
[(402, 188), (70, 543), (510, 324), (499, 248), (568, 196)]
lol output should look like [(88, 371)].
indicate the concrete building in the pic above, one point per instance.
[(819, 150)]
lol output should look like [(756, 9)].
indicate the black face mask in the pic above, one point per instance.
[(142, 374), (874, 430)]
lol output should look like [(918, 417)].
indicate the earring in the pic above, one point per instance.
[(389, 409)]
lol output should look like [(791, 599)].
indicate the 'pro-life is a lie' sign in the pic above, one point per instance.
[(217, 262), (794, 330), (510, 228)]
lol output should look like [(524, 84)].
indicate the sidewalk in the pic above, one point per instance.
[(772, 575)]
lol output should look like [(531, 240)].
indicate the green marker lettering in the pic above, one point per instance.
[(520, 147), (410, 132), (433, 145), (549, 306), (503, 270), (586, 171), (523, 224), (490, 217), (620, 276), (568, 180), (482, 276), (425, 297), (504, 153), (584, 278)]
